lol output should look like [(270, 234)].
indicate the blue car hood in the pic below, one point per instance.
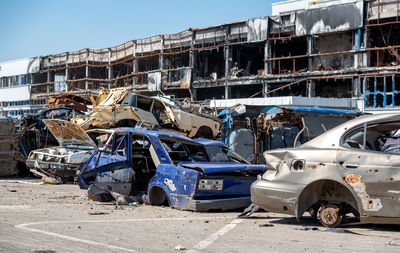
[(213, 168)]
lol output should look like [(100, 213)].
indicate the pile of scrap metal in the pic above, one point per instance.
[(121, 107), (12, 161), (251, 130), (70, 100), (59, 163), (164, 168)]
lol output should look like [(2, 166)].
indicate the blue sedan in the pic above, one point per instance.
[(164, 168)]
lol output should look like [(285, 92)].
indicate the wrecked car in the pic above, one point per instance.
[(36, 133), (352, 169), (60, 163), (251, 130), (121, 107), (164, 168)]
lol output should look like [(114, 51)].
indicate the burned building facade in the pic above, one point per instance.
[(342, 49)]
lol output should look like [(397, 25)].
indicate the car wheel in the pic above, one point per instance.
[(330, 215)]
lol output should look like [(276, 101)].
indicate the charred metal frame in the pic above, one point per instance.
[(216, 62)]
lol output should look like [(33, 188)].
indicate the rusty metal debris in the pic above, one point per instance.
[(12, 161), (73, 101)]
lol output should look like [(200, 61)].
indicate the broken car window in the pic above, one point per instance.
[(378, 137), (222, 154)]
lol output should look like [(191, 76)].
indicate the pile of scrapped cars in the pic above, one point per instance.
[(128, 148)]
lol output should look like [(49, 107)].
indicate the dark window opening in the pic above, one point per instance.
[(299, 89), (247, 60), (210, 64), (287, 48), (338, 88), (210, 93), (245, 91)]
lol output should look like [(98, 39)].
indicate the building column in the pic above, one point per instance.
[(356, 87), (310, 88), (49, 79), (267, 54), (228, 66), (109, 75), (66, 78), (310, 49), (265, 89), (87, 74)]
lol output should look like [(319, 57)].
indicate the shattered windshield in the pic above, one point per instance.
[(220, 154), (180, 151)]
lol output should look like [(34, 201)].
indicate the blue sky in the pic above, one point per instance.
[(37, 27)]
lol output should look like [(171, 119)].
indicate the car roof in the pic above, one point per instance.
[(157, 134), (331, 138)]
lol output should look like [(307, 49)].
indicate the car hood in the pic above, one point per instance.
[(213, 168), (68, 133)]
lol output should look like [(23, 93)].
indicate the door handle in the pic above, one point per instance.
[(350, 166)]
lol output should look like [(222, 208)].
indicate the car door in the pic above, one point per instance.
[(372, 173)]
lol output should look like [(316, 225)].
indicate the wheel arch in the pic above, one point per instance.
[(327, 190), (158, 196)]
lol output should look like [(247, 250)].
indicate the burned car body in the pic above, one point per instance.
[(121, 107), (353, 168), (75, 147), (168, 168)]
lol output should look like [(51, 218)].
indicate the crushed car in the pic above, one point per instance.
[(352, 169), (60, 163), (164, 168), (120, 107)]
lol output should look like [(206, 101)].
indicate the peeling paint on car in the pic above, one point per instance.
[(369, 204)]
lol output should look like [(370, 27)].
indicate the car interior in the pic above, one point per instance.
[(383, 137)]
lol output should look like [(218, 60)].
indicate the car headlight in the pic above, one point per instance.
[(211, 184)]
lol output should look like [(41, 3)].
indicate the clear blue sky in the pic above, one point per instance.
[(37, 27)]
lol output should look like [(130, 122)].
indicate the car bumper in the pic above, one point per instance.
[(277, 197), (52, 167), (217, 204)]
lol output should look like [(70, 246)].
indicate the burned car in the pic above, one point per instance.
[(163, 168), (353, 168), (120, 107), (59, 164)]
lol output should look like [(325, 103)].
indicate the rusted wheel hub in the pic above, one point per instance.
[(330, 216)]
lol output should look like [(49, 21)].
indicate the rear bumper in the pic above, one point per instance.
[(277, 197), (217, 204)]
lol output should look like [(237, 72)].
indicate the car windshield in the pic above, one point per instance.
[(222, 154), (180, 151)]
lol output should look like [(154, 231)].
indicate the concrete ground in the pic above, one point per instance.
[(36, 217)]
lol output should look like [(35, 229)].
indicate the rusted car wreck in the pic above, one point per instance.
[(160, 168), (353, 168), (121, 107)]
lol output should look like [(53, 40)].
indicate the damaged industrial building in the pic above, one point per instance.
[(343, 54)]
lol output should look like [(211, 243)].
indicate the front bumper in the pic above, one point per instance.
[(205, 205), (277, 197), (53, 167)]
